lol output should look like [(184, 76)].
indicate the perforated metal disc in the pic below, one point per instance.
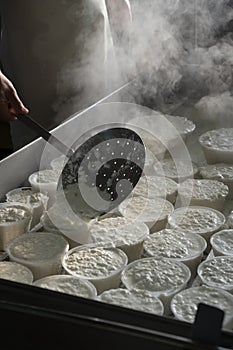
[(103, 171)]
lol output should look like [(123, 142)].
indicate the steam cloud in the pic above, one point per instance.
[(175, 45)]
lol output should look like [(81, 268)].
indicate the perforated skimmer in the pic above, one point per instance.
[(101, 171)]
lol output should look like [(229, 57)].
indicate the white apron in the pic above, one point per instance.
[(57, 53)]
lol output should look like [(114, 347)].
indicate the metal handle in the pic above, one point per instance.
[(45, 134)]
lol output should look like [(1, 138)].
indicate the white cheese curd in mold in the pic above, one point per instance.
[(37, 201), (221, 172), (136, 299), (120, 232), (174, 244), (196, 219), (101, 265), (155, 275), (183, 125), (15, 272), (41, 252), (57, 164), (217, 145), (217, 272), (175, 170), (156, 186), (209, 193), (218, 139), (153, 212), (94, 262), (46, 176), (222, 242), (68, 284), (184, 304), (12, 214)]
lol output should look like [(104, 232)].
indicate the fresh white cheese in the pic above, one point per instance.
[(45, 176), (156, 186), (176, 170), (197, 219), (121, 233), (221, 172), (217, 272), (173, 244), (68, 284), (37, 201), (183, 125), (101, 265), (209, 193), (12, 214), (222, 242), (136, 299), (153, 212), (184, 305), (15, 272), (217, 145), (41, 252)]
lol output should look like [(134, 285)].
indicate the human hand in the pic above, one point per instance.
[(10, 103)]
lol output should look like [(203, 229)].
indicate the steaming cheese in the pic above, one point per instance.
[(137, 299)]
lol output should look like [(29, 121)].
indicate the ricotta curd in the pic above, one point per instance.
[(217, 272), (197, 219), (156, 186), (122, 234), (68, 284), (204, 192), (15, 219), (176, 245), (184, 305), (176, 170), (37, 201), (45, 181), (15, 272), (153, 212), (41, 252), (217, 145), (163, 277), (100, 265), (136, 299), (221, 172), (222, 242)]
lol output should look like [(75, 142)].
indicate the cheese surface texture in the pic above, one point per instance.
[(15, 272), (219, 139), (222, 241)]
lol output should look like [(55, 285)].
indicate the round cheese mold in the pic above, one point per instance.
[(123, 234), (15, 272), (217, 272), (45, 181), (183, 125), (221, 172), (15, 219), (207, 193), (184, 305), (222, 242), (57, 164), (162, 277), (100, 265), (197, 219), (37, 201), (41, 252), (69, 285), (62, 220), (217, 145), (156, 186), (175, 170), (176, 245), (136, 299), (153, 212)]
